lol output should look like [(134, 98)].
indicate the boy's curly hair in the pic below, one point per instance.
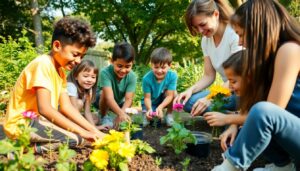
[(70, 30)]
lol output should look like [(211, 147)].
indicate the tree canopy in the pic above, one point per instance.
[(146, 24)]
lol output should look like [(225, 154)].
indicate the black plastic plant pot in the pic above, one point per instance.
[(202, 147), (137, 135)]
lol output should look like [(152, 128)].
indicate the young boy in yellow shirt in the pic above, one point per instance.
[(41, 89)]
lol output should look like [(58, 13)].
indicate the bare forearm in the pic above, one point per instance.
[(74, 115), (202, 84), (166, 102), (127, 103), (114, 106), (148, 104), (60, 120), (236, 119), (89, 117), (87, 112)]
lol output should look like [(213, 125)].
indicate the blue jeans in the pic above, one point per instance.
[(232, 105), (270, 130)]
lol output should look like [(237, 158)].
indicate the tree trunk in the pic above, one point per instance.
[(62, 8), (37, 24)]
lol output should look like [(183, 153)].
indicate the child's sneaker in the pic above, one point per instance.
[(169, 120), (225, 166), (273, 167), (107, 121)]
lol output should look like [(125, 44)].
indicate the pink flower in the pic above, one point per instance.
[(178, 107), (29, 114), (153, 114)]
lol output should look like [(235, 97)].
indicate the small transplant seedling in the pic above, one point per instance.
[(178, 136)]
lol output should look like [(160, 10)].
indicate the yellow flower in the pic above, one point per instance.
[(114, 147), (100, 143), (100, 159), (217, 89), (126, 150), (117, 135)]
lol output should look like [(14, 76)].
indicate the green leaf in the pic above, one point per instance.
[(125, 126), (63, 166), (163, 140), (28, 158), (6, 146), (123, 166), (88, 166), (65, 153)]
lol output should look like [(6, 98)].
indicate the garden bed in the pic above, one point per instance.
[(169, 161), (164, 159)]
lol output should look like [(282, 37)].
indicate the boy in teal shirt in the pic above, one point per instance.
[(159, 86), (117, 84)]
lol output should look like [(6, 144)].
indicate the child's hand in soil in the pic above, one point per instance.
[(149, 114), (92, 135), (121, 118), (227, 137), (103, 127), (159, 113)]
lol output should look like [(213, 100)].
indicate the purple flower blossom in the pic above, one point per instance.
[(29, 114), (178, 107)]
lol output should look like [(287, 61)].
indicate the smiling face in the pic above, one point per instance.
[(206, 25), (121, 67), (160, 70), (86, 79), (67, 56), (234, 80)]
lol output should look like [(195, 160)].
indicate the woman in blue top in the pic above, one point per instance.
[(270, 93)]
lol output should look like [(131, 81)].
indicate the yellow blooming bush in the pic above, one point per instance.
[(113, 151)]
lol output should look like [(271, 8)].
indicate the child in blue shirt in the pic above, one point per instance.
[(159, 86)]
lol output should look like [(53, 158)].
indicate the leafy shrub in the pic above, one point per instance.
[(188, 74), (140, 71), (14, 56)]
